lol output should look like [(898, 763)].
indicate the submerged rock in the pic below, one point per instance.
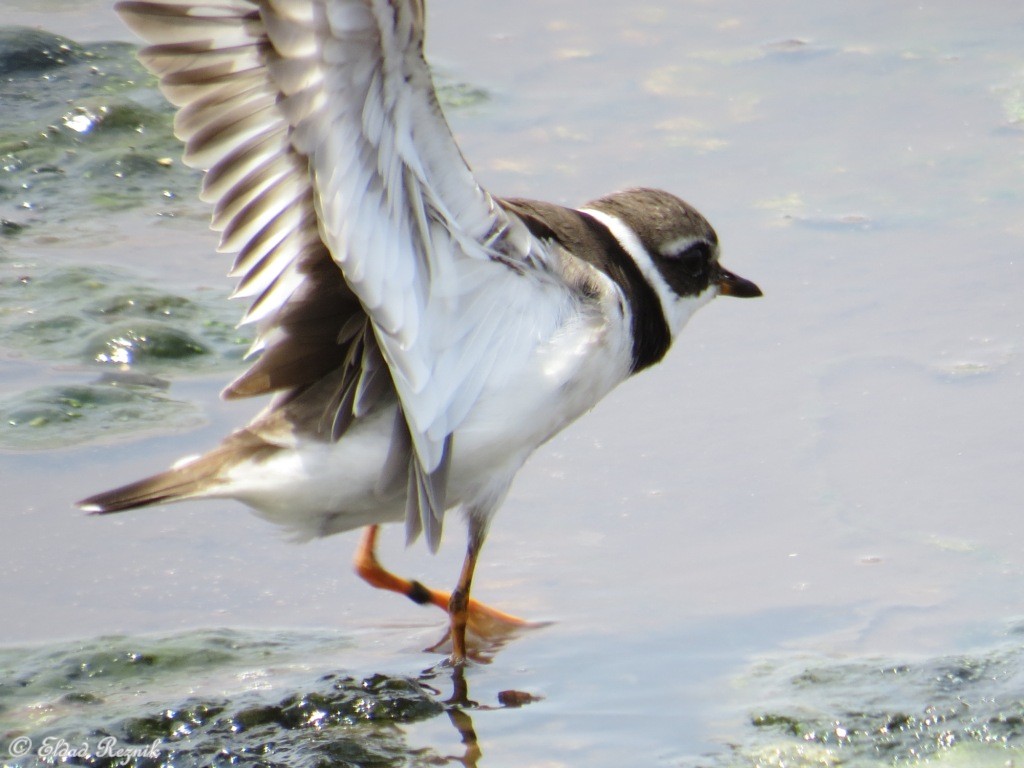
[(185, 700), (136, 342), (28, 50)]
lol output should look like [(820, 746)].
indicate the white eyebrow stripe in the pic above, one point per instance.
[(677, 246)]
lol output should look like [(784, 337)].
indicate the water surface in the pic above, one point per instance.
[(735, 548)]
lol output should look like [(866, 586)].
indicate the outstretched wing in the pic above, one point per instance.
[(361, 234)]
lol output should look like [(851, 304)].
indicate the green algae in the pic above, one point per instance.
[(276, 698), (960, 710), (205, 698), (86, 133), (106, 315), (62, 415)]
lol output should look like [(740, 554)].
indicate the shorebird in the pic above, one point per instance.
[(420, 336)]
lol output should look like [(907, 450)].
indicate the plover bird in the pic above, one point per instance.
[(420, 337)]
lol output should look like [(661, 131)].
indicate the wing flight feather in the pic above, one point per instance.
[(362, 239)]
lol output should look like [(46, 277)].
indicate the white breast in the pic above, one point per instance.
[(325, 488)]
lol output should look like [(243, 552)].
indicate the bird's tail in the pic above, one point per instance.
[(173, 485), (189, 478)]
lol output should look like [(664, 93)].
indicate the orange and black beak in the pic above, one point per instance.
[(734, 285)]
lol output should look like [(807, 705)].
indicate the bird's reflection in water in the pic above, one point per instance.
[(488, 630), (467, 734), (459, 706)]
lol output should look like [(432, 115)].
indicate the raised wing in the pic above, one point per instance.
[(361, 233)]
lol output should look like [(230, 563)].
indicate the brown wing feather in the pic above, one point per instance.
[(212, 61), (225, 68)]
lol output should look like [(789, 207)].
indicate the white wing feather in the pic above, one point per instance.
[(399, 209), (319, 128)]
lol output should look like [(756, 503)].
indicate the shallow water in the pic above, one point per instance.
[(735, 547), (258, 698)]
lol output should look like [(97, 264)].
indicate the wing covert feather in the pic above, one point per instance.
[(336, 180)]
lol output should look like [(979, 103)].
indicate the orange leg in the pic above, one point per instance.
[(481, 620), (458, 603)]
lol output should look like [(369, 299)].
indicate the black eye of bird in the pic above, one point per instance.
[(688, 270), (694, 259)]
